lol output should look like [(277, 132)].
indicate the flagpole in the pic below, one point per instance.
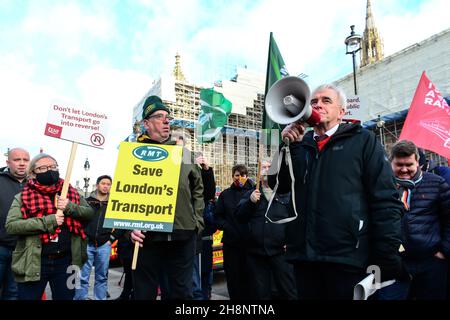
[(264, 130), (268, 66), (258, 174)]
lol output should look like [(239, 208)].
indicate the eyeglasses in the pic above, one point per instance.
[(43, 169), (161, 117)]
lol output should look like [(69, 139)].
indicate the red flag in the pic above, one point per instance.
[(428, 121)]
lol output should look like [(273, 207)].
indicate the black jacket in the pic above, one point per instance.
[(348, 206), (234, 232), (209, 193), (426, 226), (9, 187), (95, 232), (209, 185), (125, 247), (264, 238)]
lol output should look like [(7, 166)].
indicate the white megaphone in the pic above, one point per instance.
[(287, 101)]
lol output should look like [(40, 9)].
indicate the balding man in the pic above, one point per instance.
[(12, 181)]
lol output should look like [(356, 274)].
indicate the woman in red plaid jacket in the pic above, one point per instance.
[(51, 244)]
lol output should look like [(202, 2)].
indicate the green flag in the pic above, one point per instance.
[(213, 115), (276, 69)]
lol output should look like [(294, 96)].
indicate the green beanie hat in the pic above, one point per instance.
[(152, 104)]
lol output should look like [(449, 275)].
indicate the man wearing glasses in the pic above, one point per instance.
[(172, 252)]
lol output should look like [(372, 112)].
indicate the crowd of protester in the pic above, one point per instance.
[(307, 228)]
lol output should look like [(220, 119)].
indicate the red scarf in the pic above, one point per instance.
[(38, 201)]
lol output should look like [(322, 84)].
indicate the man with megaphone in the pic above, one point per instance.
[(344, 193)]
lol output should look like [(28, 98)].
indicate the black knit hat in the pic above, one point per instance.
[(152, 104), (103, 177)]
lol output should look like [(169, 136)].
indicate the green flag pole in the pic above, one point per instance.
[(276, 70)]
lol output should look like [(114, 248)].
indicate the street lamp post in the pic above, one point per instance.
[(87, 166), (380, 125), (353, 45)]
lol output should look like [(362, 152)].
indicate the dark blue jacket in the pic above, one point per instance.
[(444, 172), (426, 226)]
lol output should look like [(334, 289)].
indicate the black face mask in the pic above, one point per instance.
[(47, 178)]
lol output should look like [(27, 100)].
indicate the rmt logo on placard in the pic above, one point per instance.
[(150, 153), (53, 130)]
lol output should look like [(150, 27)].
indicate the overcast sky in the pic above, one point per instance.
[(104, 54)]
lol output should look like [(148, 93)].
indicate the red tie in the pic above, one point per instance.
[(320, 138), (321, 141)]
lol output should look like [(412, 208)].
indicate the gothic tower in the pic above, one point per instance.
[(372, 45), (177, 73)]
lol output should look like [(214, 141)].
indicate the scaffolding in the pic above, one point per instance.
[(238, 143)]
